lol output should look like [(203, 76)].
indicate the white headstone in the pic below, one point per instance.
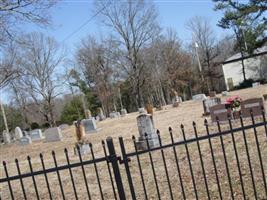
[(123, 112), (63, 126), (146, 126), (89, 125), (256, 84), (6, 137), (53, 134), (199, 97), (25, 140), (114, 115), (101, 114), (36, 134), (224, 93), (18, 133), (142, 110)]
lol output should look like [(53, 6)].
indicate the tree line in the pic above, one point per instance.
[(136, 63)]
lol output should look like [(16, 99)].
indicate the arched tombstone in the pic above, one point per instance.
[(146, 126), (18, 133), (88, 114)]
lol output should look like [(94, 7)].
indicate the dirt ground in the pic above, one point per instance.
[(126, 127)]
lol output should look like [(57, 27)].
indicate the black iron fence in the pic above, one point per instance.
[(227, 162)]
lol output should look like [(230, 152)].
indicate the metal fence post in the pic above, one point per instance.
[(114, 161)]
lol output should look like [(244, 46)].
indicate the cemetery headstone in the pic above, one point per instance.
[(101, 114), (207, 103), (36, 134), (265, 97), (224, 93), (123, 112), (89, 125), (25, 140), (114, 115), (254, 104), (212, 94), (256, 84), (63, 126), (88, 114), (146, 126), (18, 133), (219, 111), (141, 110), (53, 134), (6, 137), (199, 97)]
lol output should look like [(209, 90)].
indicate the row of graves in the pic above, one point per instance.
[(232, 107)]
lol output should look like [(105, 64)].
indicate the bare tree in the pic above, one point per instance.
[(97, 63), (40, 59), (15, 13), (8, 65), (205, 38), (134, 25)]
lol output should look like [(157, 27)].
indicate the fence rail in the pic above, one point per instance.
[(123, 180)]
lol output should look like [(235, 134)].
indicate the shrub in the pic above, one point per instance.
[(35, 125)]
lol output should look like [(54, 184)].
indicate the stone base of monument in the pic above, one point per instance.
[(84, 149), (153, 141)]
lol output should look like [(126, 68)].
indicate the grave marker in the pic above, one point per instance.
[(89, 125), (53, 134), (123, 112), (25, 140), (18, 133), (88, 114), (101, 114), (207, 103), (6, 137), (146, 126), (36, 134), (219, 111), (199, 97), (254, 104), (141, 110)]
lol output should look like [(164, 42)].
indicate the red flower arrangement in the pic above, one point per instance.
[(234, 103)]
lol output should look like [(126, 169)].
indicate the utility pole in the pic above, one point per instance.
[(4, 116)]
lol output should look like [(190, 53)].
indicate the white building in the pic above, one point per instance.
[(255, 67)]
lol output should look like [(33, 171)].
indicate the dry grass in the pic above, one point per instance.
[(126, 127)]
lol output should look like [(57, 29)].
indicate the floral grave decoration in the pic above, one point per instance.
[(234, 103)]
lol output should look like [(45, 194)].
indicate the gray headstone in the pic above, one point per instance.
[(199, 97), (84, 149), (6, 137), (146, 126), (53, 134), (25, 140), (36, 134), (255, 105), (18, 133), (209, 103), (89, 125), (114, 115)]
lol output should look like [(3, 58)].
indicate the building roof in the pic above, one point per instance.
[(238, 55)]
